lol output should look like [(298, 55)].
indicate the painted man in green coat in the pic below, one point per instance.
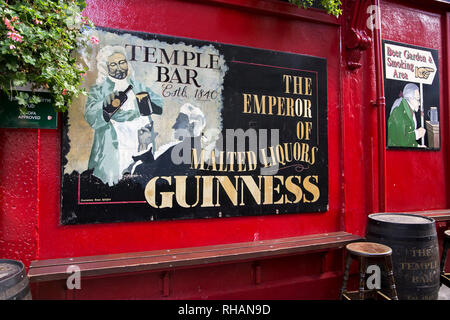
[(402, 124), (122, 130)]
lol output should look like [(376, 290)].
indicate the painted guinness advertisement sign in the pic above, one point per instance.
[(174, 128)]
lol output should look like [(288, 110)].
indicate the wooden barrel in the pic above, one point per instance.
[(14, 284), (415, 252)]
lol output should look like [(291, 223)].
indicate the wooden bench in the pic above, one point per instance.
[(56, 269), (437, 215)]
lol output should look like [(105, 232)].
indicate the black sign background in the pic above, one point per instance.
[(251, 71)]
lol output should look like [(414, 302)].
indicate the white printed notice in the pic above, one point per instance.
[(407, 64)]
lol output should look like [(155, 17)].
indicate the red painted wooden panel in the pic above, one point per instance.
[(417, 180), (30, 159), (213, 23), (18, 194)]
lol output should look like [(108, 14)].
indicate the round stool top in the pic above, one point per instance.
[(368, 249), (447, 233)]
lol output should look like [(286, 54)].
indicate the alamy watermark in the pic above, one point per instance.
[(238, 148), (374, 280), (74, 279), (373, 21), (241, 150)]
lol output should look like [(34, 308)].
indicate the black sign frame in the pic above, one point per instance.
[(251, 71)]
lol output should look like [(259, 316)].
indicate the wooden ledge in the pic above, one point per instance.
[(437, 215), (56, 269)]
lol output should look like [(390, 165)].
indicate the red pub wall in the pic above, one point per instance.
[(418, 179), (211, 23), (31, 173)]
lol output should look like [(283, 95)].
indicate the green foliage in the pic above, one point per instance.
[(38, 41), (331, 6)]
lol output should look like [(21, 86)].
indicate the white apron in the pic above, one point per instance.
[(127, 132)]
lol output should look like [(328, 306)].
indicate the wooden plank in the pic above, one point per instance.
[(178, 251), (437, 215), (186, 259), (55, 269)]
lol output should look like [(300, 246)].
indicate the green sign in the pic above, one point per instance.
[(37, 116)]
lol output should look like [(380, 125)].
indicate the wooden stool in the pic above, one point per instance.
[(363, 252), (445, 277)]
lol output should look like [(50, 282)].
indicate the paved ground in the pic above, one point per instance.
[(444, 293)]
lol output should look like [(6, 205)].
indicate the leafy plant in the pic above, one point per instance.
[(38, 41), (331, 6)]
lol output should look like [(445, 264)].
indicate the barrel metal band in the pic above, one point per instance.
[(14, 290)]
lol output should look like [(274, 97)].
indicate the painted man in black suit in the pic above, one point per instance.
[(169, 158)]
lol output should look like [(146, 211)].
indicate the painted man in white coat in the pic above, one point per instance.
[(114, 111)]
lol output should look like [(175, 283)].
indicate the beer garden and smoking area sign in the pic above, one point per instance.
[(411, 81), (174, 128)]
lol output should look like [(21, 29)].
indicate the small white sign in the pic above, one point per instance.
[(408, 64)]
